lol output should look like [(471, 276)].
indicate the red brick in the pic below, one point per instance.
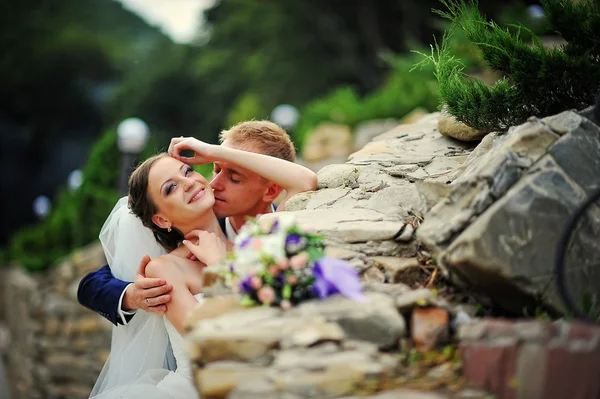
[(531, 370), (534, 331), (429, 327), (583, 331), (496, 328), (572, 374), (491, 367)]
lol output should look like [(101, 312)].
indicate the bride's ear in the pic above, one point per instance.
[(161, 222)]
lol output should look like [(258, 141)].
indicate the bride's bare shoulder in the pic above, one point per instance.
[(163, 266)]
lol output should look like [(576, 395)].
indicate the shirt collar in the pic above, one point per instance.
[(230, 231)]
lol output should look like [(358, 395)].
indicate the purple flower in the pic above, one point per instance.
[(231, 267), (246, 284), (294, 243), (245, 242), (333, 276), (275, 226)]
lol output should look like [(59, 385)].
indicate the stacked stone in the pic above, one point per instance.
[(319, 349), (57, 347), (368, 207)]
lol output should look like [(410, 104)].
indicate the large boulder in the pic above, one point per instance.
[(500, 224)]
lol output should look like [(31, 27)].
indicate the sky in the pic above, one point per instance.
[(179, 19)]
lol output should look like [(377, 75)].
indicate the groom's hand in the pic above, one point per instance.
[(148, 294)]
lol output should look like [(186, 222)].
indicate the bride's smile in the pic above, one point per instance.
[(197, 195)]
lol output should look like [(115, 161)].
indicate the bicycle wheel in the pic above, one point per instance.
[(578, 261)]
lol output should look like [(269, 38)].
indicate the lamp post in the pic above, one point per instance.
[(132, 135), (75, 180), (285, 115), (42, 206)]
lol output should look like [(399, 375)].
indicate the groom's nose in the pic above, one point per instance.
[(216, 183)]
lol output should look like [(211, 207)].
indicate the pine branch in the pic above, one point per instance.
[(538, 81), (578, 22)]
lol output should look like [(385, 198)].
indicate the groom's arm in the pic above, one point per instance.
[(118, 300), (101, 292)]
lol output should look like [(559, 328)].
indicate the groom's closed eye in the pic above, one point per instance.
[(234, 177)]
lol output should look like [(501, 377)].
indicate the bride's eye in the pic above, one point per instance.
[(169, 188), (189, 170)]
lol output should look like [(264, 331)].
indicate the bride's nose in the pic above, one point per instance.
[(188, 183)]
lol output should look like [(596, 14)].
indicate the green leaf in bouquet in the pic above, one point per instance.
[(267, 279), (286, 293), (247, 301), (315, 253), (266, 259)]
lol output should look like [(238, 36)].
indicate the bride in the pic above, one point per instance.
[(168, 201)]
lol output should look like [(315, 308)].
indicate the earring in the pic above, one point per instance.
[(169, 229)]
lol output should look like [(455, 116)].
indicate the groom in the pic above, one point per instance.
[(239, 193)]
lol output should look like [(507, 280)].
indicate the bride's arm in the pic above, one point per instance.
[(182, 300), (292, 177)]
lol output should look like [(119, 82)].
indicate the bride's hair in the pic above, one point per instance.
[(142, 206)]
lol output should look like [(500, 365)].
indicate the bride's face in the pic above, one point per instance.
[(181, 195)]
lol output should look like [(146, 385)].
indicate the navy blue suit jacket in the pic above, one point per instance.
[(100, 291)]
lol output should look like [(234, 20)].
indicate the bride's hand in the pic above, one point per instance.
[(207, 247), (203, 152)]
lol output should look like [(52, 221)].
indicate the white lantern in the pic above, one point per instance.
[(285, 115), (132, 135), (42, 206)]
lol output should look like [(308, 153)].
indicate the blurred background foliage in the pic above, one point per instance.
[(73, 69)]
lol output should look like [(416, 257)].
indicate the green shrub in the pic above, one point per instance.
[(404, 90), (537, 81), (77, 216), (247, 107)]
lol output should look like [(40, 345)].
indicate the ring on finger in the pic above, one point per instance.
[(147, 302)]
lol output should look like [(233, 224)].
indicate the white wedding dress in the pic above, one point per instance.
[(136, 367), (179, 384), (161, 383)]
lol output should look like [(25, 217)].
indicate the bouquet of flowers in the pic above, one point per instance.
[(276, 263)]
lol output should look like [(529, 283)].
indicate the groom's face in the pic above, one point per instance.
[(237, 191)]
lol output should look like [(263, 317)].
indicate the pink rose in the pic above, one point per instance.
[(273, 270), (292, 279), (256, 282), (256, 243), (299, 261), (283, 263), (266, 295)]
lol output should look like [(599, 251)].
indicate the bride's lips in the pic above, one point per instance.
[(197, 195)]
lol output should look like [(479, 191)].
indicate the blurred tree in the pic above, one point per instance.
[(293, 52), (61, 60), (165, 91)]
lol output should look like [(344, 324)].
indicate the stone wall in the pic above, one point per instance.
[(368, 209), (487, 218), (57, 347)]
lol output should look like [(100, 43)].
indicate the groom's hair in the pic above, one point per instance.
[(263, 136)]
